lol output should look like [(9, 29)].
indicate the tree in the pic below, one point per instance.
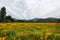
[(2, 13), (9, 18), (3, 16)]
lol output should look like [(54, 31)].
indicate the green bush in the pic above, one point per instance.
[(2, 34), (24, 37), (10, 35), (37, 37), (50, 37)]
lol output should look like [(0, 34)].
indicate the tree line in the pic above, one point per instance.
[(3, 17)]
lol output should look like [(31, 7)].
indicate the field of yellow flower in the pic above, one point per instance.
[(29, 31)]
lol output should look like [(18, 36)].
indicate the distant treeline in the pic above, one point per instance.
[(40, 21), (4, 18)]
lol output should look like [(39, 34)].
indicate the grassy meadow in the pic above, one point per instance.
[(29, 31)]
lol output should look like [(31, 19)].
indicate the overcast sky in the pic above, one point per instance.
[(28, 9)]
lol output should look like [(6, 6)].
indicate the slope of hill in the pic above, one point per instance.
[(50, 19)]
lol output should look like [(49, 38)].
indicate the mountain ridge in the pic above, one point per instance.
[(49, 19)]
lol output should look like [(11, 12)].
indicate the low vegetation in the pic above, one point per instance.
[(29, 31)]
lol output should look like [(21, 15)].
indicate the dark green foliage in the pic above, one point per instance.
[(2, 34), (17, 37), (10, 33), (3, 17), (9, 19), (2, 13), (57, 38), (1, 29), (50, 37), (23, 37), (37, 37), (9, 38)]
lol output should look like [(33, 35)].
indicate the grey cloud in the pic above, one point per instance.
[(28, 9)]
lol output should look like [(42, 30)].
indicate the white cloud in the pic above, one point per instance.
[(28, 9)]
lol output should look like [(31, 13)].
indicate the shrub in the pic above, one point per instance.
[(2, 34), (10, 35), (57, 38), (23, 37)]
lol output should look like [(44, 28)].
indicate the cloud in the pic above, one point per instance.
[(28, 9)]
